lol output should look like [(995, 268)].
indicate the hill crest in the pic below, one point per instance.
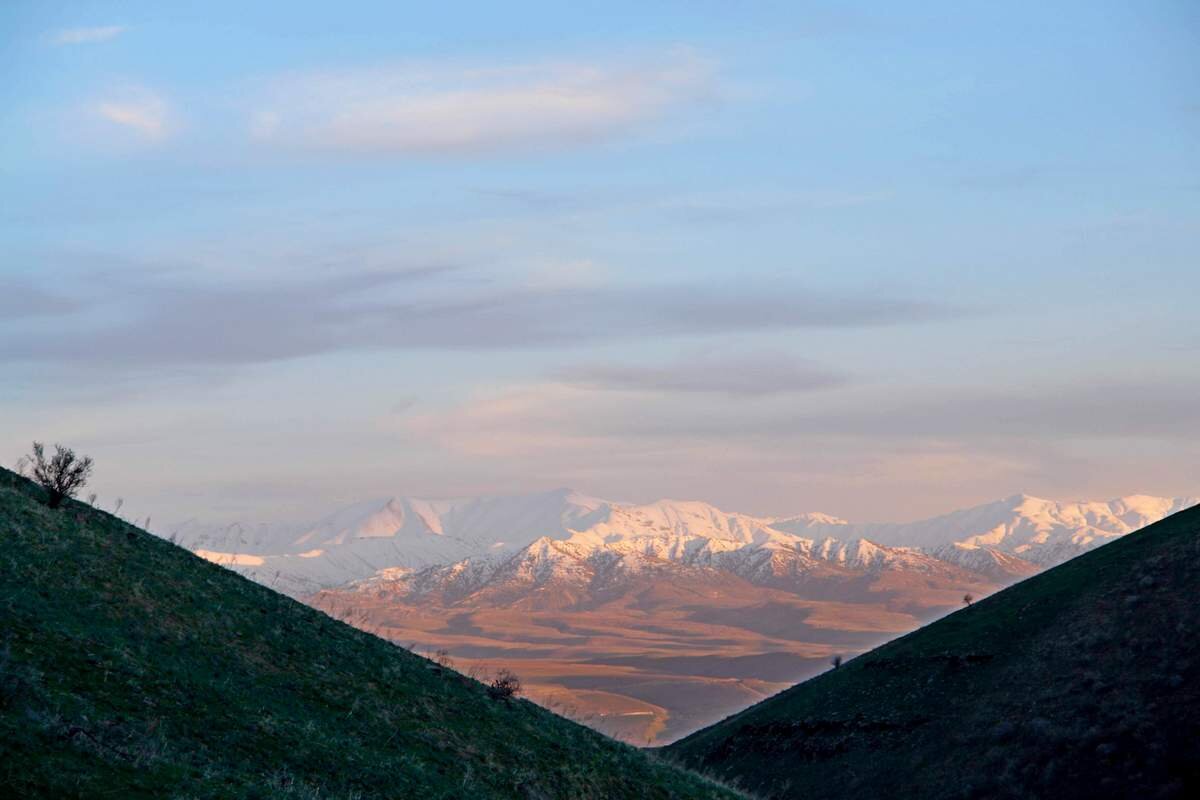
[(130, 667)]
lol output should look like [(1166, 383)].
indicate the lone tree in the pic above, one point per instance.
[(62, 475), (968, 599), (836, 661)]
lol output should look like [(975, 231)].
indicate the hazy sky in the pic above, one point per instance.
[(876, 259)]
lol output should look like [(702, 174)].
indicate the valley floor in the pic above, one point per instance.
[(642, 670)]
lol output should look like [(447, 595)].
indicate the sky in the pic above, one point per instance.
[(879, 260)]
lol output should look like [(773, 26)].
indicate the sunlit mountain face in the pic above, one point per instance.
[(649, 621)]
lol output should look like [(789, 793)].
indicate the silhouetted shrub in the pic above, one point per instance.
[(504, 686), (968, 599), (836, 661), (62, 475)]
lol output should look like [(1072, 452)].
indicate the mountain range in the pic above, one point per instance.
[(456, 547), (649, 621)]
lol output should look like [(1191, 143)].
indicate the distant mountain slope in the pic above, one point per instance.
[(579, 571), (1044, 532), (130, 668), (1081, 682), (1005, 540), (622, 547), (356, 541)]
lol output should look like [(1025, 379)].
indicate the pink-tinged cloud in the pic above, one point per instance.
[(419, 110), (140, 111)]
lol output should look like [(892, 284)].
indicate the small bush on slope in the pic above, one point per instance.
[(130, 668), (505, 686)]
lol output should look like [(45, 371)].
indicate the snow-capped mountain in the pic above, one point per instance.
[(1044, 532), (576, 573), (472, 543), (398, 532)]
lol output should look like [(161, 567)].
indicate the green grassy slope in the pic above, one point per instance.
[(1083, 681), (130, 668)]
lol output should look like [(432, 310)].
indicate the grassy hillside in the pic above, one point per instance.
[(130, 668), (1083, 681)]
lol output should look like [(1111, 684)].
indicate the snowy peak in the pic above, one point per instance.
[(563, 534), (375, 519), (814, 526), (510, 522), (1042, 531), (679, 521)]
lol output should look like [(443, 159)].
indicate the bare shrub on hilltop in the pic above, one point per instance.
[(61, 475)]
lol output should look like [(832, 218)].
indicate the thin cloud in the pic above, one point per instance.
[(165, 320), (805, 452), (540, 420), (142, 111), (19, 299), (1149, 408), (747, 374), (417, 110), (102, 33)]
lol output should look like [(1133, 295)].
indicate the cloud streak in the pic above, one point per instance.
[(102, 33), (20, 299), (746, 375), (141, 111), (168, 320), (420, 110), (576, 422)]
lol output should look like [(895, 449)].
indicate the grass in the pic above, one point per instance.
[(1083, 681), (130, 668)]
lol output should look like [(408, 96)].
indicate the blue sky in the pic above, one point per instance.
[(875, 260)]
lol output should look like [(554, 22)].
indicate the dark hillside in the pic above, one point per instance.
[(131, 668), (1083, 681)]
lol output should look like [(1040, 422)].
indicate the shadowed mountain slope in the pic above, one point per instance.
[(132, 668), (1083, 681)]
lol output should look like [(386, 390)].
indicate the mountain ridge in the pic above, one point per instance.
[(1014, 536)]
